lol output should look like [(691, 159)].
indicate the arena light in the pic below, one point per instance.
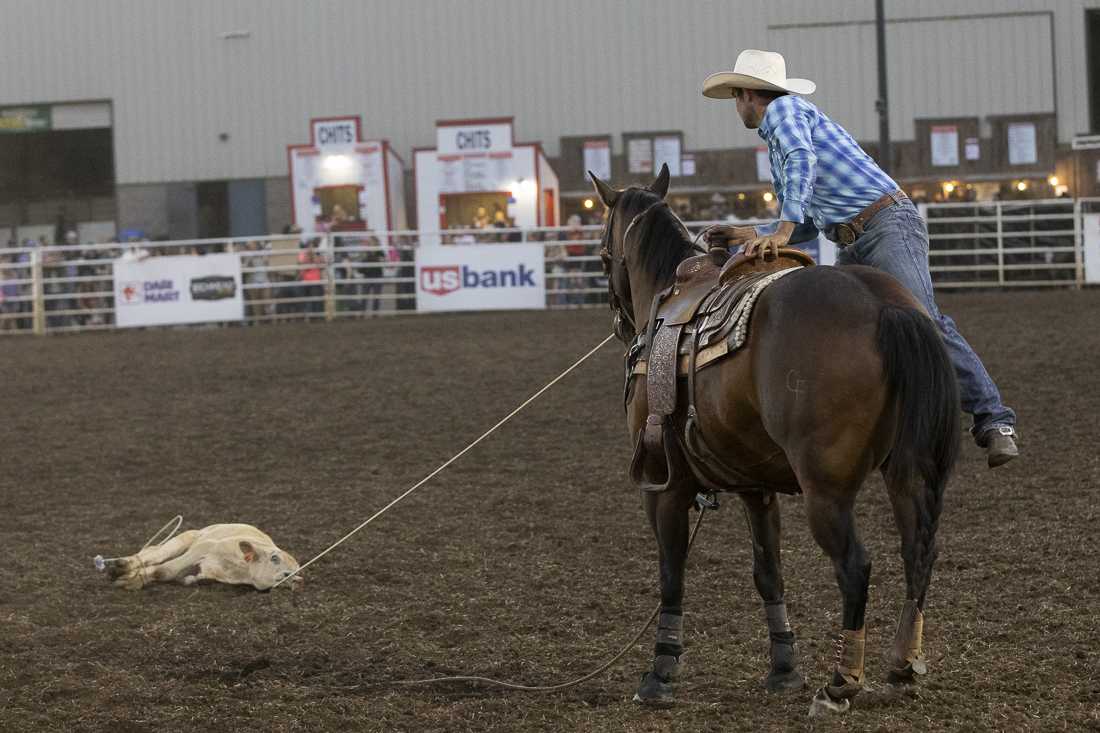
[(1053, 181), (949, 187), (768, 196), (336, 162), (522, 187), (741, 196), (589, 203), (1021, 186)]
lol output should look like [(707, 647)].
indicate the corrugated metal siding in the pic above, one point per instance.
[(937, 68), (567, 67)]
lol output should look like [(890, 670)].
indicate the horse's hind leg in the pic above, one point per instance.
[(833, 525), (917, 516), (762, 512), (668, 515)]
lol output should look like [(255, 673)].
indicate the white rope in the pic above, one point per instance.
[(155, 539), (458, 455)]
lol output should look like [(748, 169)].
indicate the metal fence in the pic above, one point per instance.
[(1005, 244), (57, 289)]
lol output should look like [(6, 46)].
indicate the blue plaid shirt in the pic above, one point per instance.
[(819, 172)]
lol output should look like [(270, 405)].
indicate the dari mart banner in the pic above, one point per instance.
[(160, 291), (479, 277)]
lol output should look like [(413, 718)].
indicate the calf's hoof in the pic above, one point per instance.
[(824, 704), (784, 681), (115, 567)]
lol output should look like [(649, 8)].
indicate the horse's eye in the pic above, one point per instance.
[(275, 559)]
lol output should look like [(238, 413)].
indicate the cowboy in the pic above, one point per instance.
[(825, 182)]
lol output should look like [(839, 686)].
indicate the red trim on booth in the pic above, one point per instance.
[(386, 185), (476, 121), (388, 144), (290, 169)]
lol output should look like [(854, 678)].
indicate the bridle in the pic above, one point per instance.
[(623, 318)]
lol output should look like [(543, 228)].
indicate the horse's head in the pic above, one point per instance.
[(642, 243)]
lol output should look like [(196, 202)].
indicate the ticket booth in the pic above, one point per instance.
[(477, 173), (345, 183)]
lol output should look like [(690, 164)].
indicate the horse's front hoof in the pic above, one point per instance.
[(784, 681), (654, 691), (908, 674), (824, 704)]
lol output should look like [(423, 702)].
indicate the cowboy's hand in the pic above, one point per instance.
[(727, 235), (769, 243)]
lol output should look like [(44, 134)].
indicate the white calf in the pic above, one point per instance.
[(224, 553)]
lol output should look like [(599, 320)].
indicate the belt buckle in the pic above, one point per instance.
[(845, 234)]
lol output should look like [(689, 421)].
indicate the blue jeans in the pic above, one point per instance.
[(896, 241)]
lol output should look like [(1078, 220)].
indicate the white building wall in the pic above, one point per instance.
[(567, 67)]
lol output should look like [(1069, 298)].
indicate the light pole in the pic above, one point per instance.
[(881, 104)]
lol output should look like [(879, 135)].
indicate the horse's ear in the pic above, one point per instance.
[(660, 186), (606, 193)]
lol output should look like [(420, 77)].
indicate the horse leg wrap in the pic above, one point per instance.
[(781, 637), (670, 634), (777, 618), (907, 640), (848, 673)]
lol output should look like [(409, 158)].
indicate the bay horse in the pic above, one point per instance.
[(842, 373)]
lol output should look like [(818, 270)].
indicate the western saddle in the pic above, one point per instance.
[(701, 318)]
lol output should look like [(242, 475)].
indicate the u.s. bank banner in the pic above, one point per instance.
[(160, 291), (1090, 226), (479, 277)]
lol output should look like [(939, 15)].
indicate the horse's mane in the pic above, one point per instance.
[(663, 242)]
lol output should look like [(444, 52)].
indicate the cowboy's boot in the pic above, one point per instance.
[(999, 442)]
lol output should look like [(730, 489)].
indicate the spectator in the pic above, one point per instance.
[(9, 291), (257, 278), (554, 254), (373, 272), (577, 280), (312, 277), (406, 288)]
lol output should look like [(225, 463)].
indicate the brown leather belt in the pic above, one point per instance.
[(848, 232)]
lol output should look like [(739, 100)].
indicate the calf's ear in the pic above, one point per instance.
[(247, 550)]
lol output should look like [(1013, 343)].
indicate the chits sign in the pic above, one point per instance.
[(336, 133), (471, 139), (480, 277)]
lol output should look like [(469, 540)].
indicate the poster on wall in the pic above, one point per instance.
[(452, 178), (476, 173), (945, 145), (639, 155), (480, 277), (1021, 144), (666, 151), (973, 148), (687, 164), (763, 165), (597, 158), (160, 291), (502, 166)]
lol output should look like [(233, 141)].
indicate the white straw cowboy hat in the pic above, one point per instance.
[(755, 70)]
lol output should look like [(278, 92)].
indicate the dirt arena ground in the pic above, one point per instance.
[(528, 560)]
